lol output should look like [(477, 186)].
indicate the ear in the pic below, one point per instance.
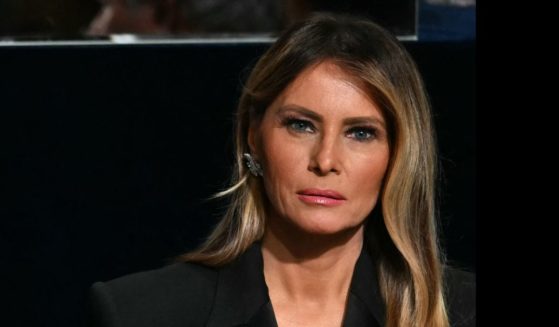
[(253, 137)]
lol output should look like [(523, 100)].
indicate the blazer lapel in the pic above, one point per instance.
[(263, 317), (357, 313), (365, 304), (242, 295)]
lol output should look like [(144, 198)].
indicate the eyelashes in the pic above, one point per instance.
[(303, 126), (362, 133), (298, 125)]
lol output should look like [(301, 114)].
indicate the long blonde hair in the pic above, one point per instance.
[(401, 233)]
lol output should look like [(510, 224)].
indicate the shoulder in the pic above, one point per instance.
[(167, 281), (461, 297), (178, 294)]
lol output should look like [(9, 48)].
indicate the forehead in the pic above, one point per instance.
[(327, 88)]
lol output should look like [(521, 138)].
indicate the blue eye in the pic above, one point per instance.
[(299, 125), (361, 134)]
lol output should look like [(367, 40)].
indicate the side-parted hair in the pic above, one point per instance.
[(401, 232)]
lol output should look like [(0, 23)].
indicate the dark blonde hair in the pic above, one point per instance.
[(401, 232)]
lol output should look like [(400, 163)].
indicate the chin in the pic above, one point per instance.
[(324, 225)]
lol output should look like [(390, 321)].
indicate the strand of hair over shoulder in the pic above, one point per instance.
[(231, 189)]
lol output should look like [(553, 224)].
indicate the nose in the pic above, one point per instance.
[(325, 157)]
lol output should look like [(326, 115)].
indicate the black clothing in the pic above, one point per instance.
[(187, 294)]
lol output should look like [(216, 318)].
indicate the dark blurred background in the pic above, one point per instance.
[(70, 19), (108, 154)]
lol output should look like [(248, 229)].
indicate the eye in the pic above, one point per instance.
[(299, 125), (361, 134)]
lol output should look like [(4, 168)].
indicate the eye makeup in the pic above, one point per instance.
[(298, 125), (362, 133), (301, 120)]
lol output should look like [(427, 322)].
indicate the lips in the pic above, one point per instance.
[(323, 193), (326, 198)]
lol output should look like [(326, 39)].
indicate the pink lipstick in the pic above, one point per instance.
[(327, 198)]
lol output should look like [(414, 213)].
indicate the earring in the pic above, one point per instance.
[(252, 165)]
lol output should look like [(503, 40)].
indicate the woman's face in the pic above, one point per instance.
[(323, 146)]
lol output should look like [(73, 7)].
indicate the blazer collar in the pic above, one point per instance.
[(364, 293), (242, 299), (241, 293)]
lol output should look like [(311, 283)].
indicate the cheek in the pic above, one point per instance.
[(368, 177), (282, 159)]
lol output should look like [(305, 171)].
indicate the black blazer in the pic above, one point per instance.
[(186, 294)]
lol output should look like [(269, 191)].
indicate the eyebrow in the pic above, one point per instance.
[(314, 116)]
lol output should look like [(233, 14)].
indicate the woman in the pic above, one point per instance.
[(332, 215)]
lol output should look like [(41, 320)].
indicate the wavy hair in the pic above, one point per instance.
[(401, 232)]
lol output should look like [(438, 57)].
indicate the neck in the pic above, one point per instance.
[(302, 267)]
